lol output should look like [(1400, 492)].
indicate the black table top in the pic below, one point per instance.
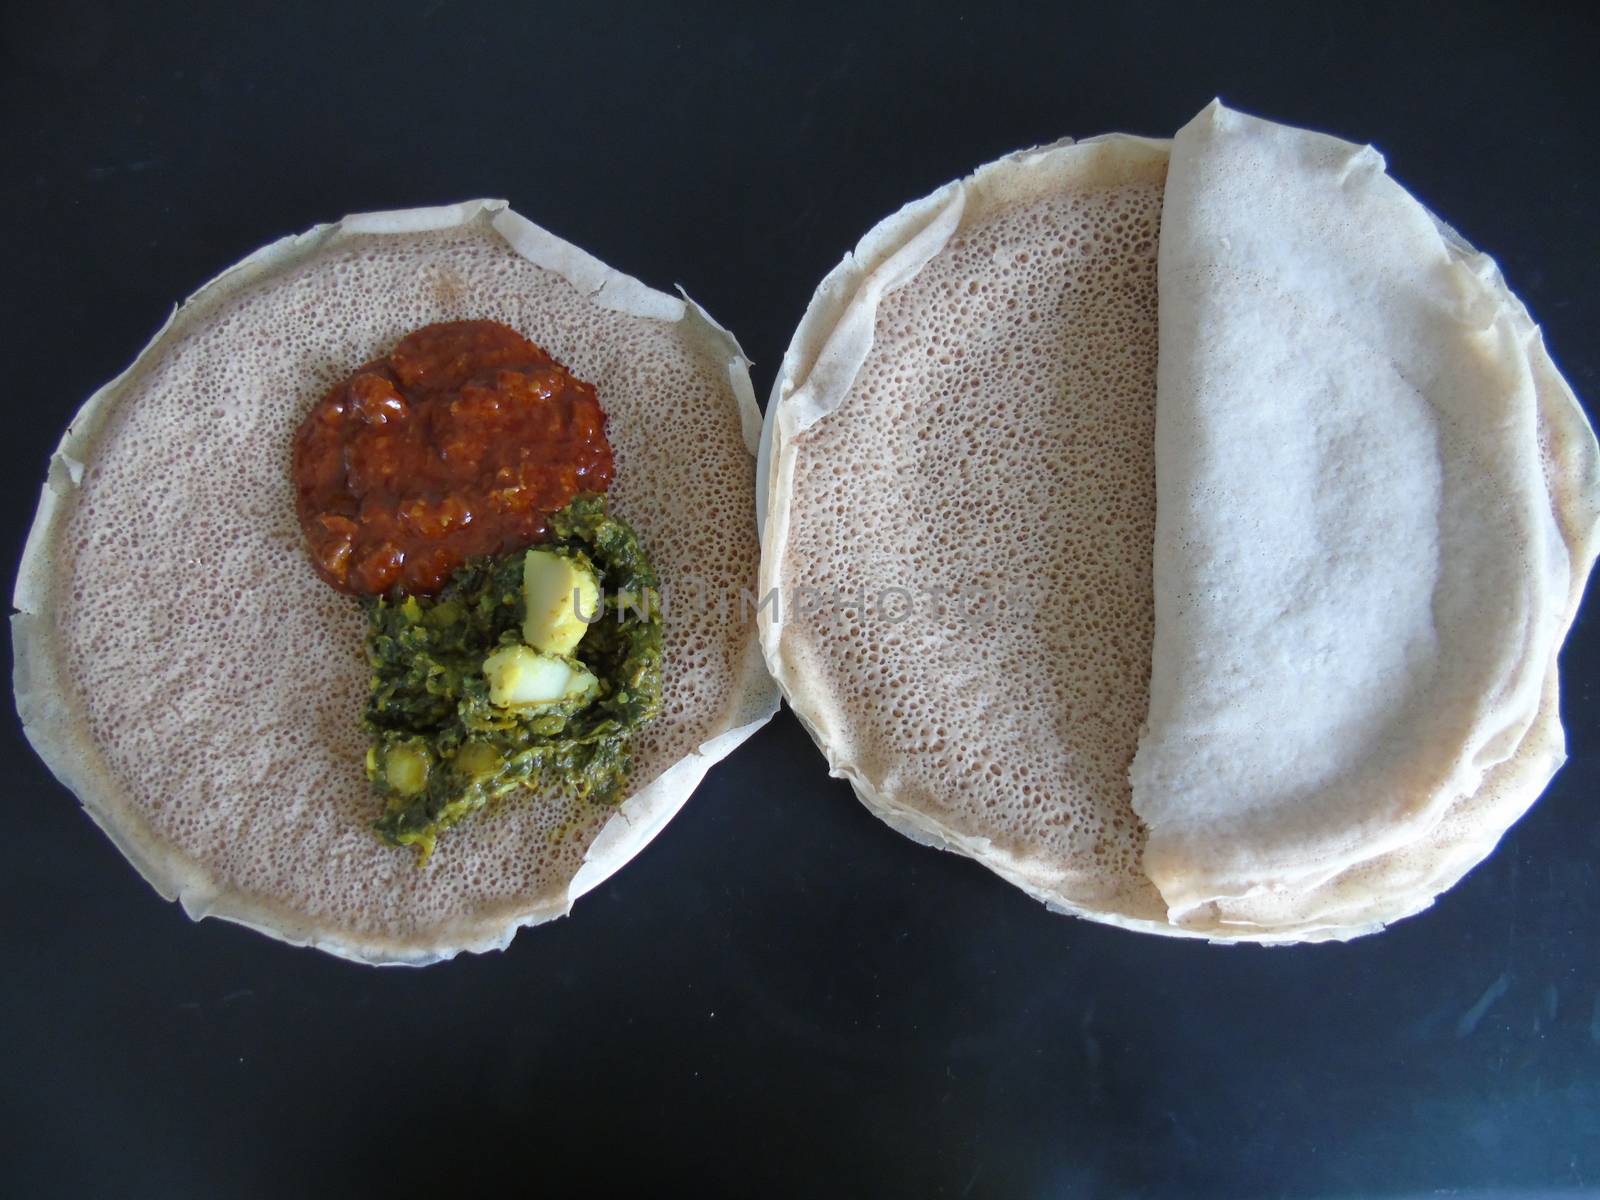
[(780, 995)]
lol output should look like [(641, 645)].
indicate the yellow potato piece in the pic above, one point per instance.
[(558, 593), (518, 675), (406, 770)]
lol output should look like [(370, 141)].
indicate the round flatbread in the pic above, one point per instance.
[(1263, 477), (184, 671), (966, 416)]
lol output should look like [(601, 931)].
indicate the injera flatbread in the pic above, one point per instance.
[(181, 668), (973, 395)]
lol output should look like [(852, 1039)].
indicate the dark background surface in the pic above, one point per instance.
[(780, 996)]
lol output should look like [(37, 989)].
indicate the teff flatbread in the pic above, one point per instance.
[(182, 668), (969, 405), (1350, 464), (1376, 512)]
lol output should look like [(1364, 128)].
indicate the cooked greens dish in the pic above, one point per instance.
[(531, 668)]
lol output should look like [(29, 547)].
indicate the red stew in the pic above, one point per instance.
[(460, 443)]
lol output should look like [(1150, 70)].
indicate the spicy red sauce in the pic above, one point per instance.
[(460, 443)]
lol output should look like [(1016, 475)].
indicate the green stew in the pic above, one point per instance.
[(450, 715)]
